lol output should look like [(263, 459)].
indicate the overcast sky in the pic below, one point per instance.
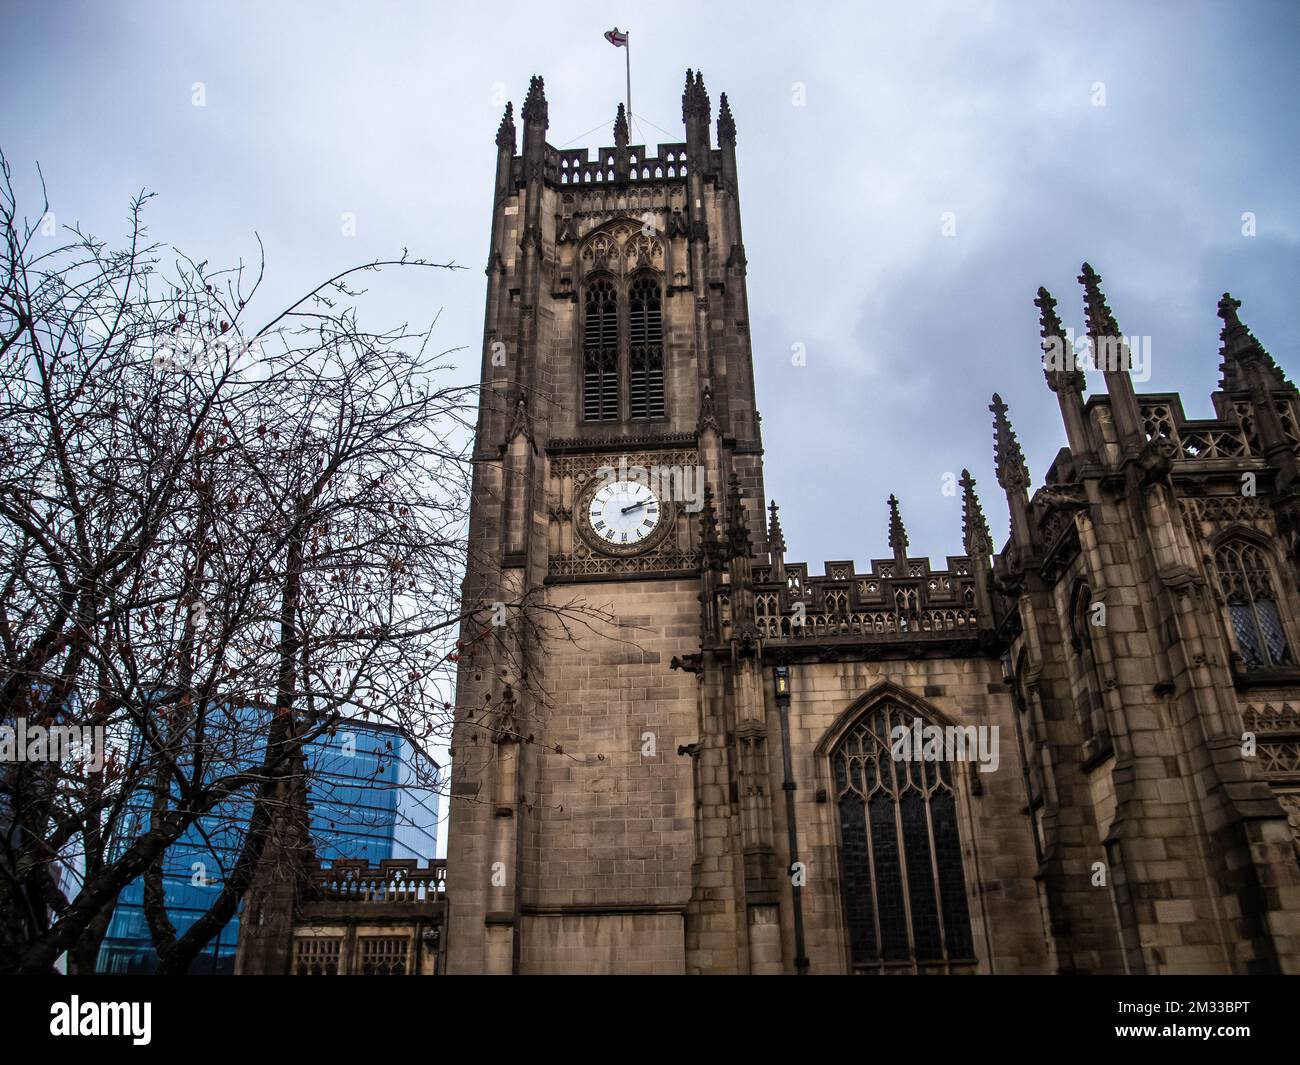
[(985, 110)]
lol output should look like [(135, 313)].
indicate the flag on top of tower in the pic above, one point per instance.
[(617, 39)]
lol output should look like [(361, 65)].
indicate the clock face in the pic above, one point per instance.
[(623, 513)]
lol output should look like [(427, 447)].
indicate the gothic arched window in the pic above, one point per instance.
[(646, 348), (904, 890), (1252, 604), (1090, 709), (600, 353)]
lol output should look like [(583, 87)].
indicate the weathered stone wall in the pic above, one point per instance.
[(628, 944), (997, 848), (611, 821)]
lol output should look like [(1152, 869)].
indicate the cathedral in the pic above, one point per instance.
[(1078, 752)]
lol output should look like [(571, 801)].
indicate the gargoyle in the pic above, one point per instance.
[(1061, 497), (687, 663), (1156, 460)]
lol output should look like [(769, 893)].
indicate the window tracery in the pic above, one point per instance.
[(623, 331), (1247, 585), (904, 886)]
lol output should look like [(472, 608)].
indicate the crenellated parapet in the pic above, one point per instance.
[(577, 166), (890, 604), (623, 163)]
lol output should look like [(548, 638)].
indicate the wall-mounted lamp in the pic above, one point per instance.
[(781, 675)]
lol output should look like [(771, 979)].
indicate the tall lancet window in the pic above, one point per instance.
[(1252, 604), (904, 889), (600, 353), (1089, 707), (646, 348)]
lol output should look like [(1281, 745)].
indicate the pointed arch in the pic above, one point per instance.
[(621, 246), (1080, 607), (879, 692), (903, 883), (1089, 707), (623, 351), (1245, 571)]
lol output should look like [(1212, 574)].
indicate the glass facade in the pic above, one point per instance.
[(373, 796)]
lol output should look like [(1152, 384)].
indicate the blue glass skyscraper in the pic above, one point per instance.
[(373, 796)]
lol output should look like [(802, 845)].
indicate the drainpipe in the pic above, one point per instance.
[(781, 676)]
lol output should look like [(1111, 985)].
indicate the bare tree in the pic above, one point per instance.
[(218, 540)]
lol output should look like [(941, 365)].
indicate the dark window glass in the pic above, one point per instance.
[(904, 889), (1247, 587), (857, 877), (952, 884), (1090, 709), (920, 876)]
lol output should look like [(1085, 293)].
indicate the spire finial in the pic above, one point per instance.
[(1059, 363), (620, 128), (1240, 346), (1101, 323), (711, 553), (695, 101), (506, 131), (726, 124), (775, 536), (1100, 319), (897, 534), (1228, 312), (1012, 472), (737, 526), (974, 528), (534, 109)]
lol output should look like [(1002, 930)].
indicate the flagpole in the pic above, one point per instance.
[(628, 58)]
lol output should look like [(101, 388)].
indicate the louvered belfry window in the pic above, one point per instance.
[(904, 888), (600, 353), (1252, 604), (646, 349)]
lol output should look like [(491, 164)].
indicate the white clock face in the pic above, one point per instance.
[(623, 513)]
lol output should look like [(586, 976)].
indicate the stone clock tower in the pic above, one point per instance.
[(677, 751), (704, 775), (617, 453)]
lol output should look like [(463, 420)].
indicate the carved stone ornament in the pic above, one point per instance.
[(1156, 460)]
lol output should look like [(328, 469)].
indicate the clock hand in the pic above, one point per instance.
[(643, 503)]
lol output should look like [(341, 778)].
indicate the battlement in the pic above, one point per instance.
[(620, 163), (890, 600), (574, 166)]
